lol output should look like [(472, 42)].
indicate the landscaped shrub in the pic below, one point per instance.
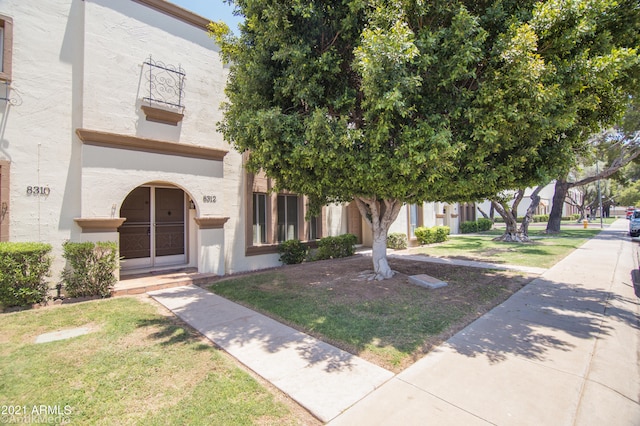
[(442, 233), (484, 224), (23, 268), (292, 252), (335, 247), (425, 235), (468, 227), (437, 234), (538, 218), (397, 241), (91, 268)]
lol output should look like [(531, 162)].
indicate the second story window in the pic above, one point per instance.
[(6, 47)]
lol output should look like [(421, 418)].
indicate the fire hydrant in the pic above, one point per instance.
[(585, 223)]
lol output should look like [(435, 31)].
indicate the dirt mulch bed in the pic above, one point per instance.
[(470, 293)]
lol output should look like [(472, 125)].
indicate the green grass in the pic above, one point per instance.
[(545, 250), (388, 329), (137, 367)]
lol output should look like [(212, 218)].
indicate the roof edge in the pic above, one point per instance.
[(177, 12)]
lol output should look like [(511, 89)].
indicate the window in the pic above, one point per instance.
[(6, 43), (287, 217), (415, 214), (259, 218), (313, 228), (413, 220)]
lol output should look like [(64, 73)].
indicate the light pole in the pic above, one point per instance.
[(599, 195)]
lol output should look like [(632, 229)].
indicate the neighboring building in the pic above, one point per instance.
[(108, 133), (546, 202)]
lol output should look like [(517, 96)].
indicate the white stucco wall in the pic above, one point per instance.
[(37, 124)]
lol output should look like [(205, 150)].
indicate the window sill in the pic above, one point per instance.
[(163, 116)]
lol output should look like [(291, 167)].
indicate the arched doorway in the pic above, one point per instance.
[(154, 234)]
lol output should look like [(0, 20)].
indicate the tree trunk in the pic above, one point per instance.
[(526, 220), (486, 216), (555, 217), (380, 214), (511, 233)]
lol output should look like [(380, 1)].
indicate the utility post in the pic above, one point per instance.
[(599, 195)]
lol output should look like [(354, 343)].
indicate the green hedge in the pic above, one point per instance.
[(468, 227), (292, 252), (482, 224), (23, 268), (335, 247), (540, 218), (91, 268), (437, 234), (397, 241)]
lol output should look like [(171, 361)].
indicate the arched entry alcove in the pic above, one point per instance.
[(154, 235)]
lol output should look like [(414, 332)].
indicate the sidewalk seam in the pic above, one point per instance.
[(445, 401)]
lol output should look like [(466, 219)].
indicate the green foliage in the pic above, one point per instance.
[(630, 195), (437, 234), (397, 241), (442, 233), (468, 227), (484, 224), (335, 247), (418, 101), (292, 252), (23, 268), (91, 268), (540, 218)]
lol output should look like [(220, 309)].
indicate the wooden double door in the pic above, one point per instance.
[(154, 234)]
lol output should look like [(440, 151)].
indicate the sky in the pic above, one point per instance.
[(215, 10)]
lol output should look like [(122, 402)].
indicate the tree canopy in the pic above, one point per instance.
[(386, 102)]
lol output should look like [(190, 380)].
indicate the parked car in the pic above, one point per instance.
[(630, 211), (634, 223)]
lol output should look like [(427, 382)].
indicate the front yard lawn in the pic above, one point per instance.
[(544, 252), (135, 366)]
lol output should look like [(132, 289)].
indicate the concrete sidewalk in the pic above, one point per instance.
[(323, 379), (562, 351)]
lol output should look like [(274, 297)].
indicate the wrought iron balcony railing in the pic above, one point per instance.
[(165, 84)]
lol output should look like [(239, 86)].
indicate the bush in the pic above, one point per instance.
[(292, 252), (335, 247), (538, 218), (23, 268), (397, 241), (424, 235), (484, 224), (91, 268), (437, 234), (468, 227), (442, 233)]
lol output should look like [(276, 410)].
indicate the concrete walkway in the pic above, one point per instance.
[(562, 351), (323, 379)]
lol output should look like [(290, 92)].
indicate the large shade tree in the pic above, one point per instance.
[(391, 102)]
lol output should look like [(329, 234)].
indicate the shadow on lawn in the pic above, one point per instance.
[(171, 331), (545, 316), (241, 331)]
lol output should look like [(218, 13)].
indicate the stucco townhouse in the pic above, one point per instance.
[(108, 133)]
